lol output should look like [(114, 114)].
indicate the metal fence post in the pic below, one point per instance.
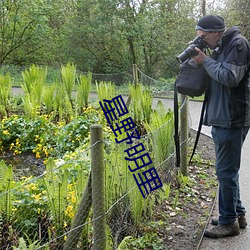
[(98, 195)]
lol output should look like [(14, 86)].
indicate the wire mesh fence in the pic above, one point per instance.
[(57, 209)]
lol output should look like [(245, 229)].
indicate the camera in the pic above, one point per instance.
[(190, 51)]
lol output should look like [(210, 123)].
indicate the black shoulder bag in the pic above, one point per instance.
[(191, 81)]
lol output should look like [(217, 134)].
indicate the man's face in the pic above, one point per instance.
[(211, 38)]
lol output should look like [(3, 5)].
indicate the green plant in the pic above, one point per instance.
[(160, 131), (58, 102), (105, 90), (147, 241), (22, 134), (34, 81), (6, 204), (167, 190), (62, 104), (48, 98), (184, 181), (176, 199), (6, 196), (42, 136), (29, 245), (56, 187), (63, 184), (163, 193), (83, 91), (30, 208), (5, 90), (141, 105), (68, 74)]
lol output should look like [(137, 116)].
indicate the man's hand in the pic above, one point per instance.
[(200, 58)]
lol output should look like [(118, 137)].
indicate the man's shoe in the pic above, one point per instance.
[(221, 231), (241, 219)]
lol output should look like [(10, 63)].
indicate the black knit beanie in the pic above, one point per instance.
[(211, 23)]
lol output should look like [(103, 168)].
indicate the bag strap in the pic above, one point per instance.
[(176, 126), (199, 127)]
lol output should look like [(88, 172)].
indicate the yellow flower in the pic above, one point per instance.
[(17, 152), (31, 187), (6, 132), (38, 155), (69, 211), (45, 151), (37, 196), (73, 199), (14, 209)]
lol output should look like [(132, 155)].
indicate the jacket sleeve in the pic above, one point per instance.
[(234, 66)]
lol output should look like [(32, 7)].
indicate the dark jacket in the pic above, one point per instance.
[(228, 103)]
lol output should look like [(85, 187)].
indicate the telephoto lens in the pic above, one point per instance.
[(190, 50)]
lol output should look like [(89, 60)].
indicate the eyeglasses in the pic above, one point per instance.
[(203, 36)]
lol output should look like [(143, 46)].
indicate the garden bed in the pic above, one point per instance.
[(178, 222)]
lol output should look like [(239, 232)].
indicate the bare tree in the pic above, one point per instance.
[(20, 22)]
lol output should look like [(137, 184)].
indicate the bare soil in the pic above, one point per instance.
[(187, 222)]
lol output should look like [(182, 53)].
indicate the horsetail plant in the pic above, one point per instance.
[(83, 91), (141, 103), (48, 98), (56, 184), (6, 184), (161, 129), (105, 90), (5, 89), (33, 85), (141, 106), (68, 74)]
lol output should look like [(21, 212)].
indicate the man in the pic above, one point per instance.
[(228, 112)]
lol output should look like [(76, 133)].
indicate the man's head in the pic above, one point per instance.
[(211, 29)]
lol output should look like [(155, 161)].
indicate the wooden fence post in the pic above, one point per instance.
[(135, 82), (80, 218), (135, 74), (98, 194)]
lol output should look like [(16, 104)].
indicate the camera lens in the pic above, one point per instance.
[(190, 51), (187, 53)]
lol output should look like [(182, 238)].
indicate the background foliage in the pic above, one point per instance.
[(107, 35)]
